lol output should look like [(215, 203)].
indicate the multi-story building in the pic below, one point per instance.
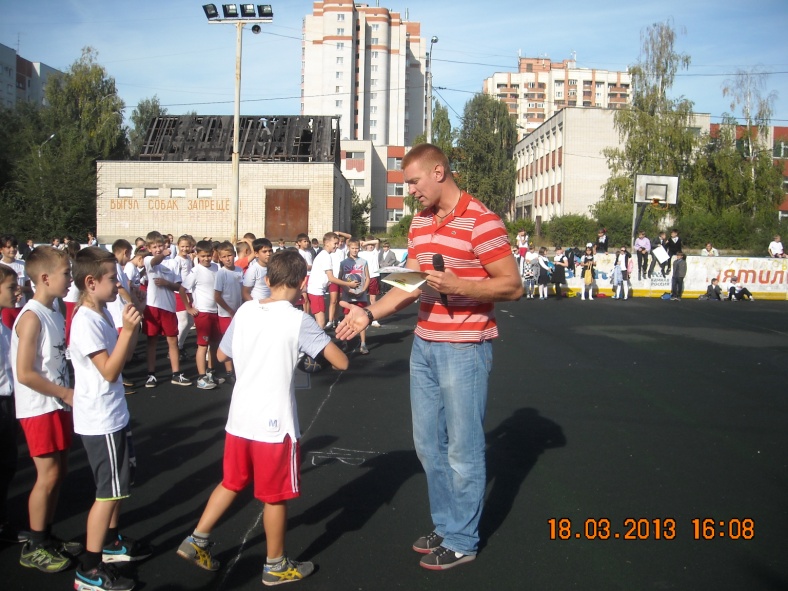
[(541, 87), (366, 65), (560, 165), (20, 79)]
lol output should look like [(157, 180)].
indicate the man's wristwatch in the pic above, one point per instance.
[(369, 315)]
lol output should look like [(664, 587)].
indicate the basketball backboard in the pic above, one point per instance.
[(656, 189)]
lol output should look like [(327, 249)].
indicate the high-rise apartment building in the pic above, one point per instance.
[(541, 87), (365, 64), (20, 79)]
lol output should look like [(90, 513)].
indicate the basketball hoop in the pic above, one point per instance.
[(659, 204)]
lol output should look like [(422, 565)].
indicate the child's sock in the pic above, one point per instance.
[(90, 560), (200, 539)]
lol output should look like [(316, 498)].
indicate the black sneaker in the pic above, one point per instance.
[(286, 571), (428, 543), (180, 380), (442, 558), (67, 548), (125, 550), (104, 577)]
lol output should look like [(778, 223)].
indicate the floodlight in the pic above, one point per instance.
[(210, 10), (265, 11), (230, 10), (247, 11)]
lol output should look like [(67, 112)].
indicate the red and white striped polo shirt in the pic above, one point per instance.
[(468, 239)]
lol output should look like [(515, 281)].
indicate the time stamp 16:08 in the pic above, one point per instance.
[(649, 529)]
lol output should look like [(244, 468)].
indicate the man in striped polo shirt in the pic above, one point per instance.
[(452, 352)]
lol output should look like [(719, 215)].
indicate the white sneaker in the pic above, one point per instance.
[(205, 383), (375, 323)]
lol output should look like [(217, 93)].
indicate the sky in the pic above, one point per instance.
[(166, 48)]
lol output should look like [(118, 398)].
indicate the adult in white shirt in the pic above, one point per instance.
[(776, 248)]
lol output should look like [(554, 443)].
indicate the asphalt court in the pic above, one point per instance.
[(610, 424)]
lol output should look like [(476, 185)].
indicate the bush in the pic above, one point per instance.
[(570, 230), (401, 229)]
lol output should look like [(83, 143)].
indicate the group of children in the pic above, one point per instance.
[(115, 296)]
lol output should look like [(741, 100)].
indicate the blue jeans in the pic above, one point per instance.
[(448, 395)]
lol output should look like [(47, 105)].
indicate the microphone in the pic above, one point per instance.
[(439, 265)]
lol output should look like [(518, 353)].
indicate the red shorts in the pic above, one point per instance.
[(179, 307), (158, 322), (357, 304), (523, 251), (374, 286), (48, 433), (317, 303), (9, 316), (333, 288), (207, 325), (224, 324), (275, 468)]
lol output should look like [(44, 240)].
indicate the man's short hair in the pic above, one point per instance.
[(429, 156), (44, 259), (242, 246), (301, 237), (250, 236), (204, 246), (121, 245), (286, 268), (91, 261), (259, 243), (154, 238), (330, 236)]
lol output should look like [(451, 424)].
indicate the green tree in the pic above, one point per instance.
[(56, 174), (484, 156), (141, 117), (359, 215), (656, 130)]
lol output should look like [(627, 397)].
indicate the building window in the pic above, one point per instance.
[(151, 193), (338, 89), (358, 182), (340, 45), (373, 41), (572, 93), (340, 59), (339, 75), (341, 16), (340, 31), (375, 26), (373, 68), (573, 83), (125, 193), (373, 109), (395, 189), (373, 82), (338, 104), (559, 94), (559, 82), (394, 215), (373, 137), (531, 85), (394, 163), (204, 193), (373, 123), (178, 193), (374, 54), (373, 96)]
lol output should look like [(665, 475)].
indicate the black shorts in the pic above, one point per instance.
[(109, 458)]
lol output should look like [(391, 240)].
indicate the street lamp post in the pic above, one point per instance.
[(238, 15), (433, 41)]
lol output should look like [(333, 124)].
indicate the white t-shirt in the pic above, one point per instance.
[(318, 280), (268, 414), (133, 275), (229, 284), (115, 308), (775, 247), (201, 282), (372, 258), (255, 278), (308, 257), (6, 374), (18, 265), (161, 297), (50, 361), (99, 406)]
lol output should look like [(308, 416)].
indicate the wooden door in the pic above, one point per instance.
[(286, 213)]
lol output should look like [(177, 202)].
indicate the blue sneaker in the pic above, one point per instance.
[(102, 578), (125, 550)]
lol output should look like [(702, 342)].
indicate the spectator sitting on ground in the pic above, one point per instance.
[(737, 292), (709, 251), (714, 291), (776, 248)]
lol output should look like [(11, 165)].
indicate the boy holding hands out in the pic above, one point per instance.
[(262, 429)]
